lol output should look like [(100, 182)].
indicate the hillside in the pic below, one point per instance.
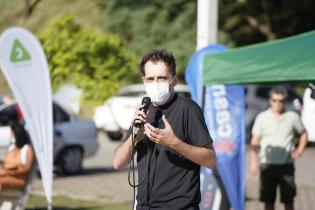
[(43, 12)]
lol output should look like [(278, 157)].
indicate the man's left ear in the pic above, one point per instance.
[(174, 81)]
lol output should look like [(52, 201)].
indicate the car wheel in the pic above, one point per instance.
[(70, 160), (114, 135)]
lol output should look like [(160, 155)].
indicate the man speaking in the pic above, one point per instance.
[(172, 141)]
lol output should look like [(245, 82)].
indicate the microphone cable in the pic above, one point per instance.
[(146, 102), (132, 166)]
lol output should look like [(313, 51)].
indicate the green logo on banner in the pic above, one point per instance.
[(19, 53)]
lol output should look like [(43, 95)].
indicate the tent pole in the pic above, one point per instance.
[(203, 100)]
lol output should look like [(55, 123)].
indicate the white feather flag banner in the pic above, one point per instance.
[(25, 67)]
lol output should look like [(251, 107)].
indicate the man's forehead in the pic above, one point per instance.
[(277, 95), (156, 69)]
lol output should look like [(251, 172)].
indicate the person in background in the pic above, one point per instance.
[(274, 134), (308, 113), (18, 160)]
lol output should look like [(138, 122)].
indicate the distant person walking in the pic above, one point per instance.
[(274, 134)]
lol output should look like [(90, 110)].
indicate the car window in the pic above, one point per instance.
[(184, 94), (263, 92), (1, 99), (8, 114), (127, 94), (59, 115), (292, 96)]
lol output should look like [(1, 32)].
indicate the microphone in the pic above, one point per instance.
[(146, 102)]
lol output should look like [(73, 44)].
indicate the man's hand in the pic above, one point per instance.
[(296, 154), (3, 172), (139, 116), (254, 149), (302, 144), (164, 136), (204, 156), (254, 167), (123, 153), (254, 163)]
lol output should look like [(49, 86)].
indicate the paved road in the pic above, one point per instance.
[(305, 180), (99, 181)]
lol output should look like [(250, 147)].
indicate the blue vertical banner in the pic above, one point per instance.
[(225, 117), (224, 112)]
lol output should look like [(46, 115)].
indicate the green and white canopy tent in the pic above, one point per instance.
[(285, 60), (291, 59)]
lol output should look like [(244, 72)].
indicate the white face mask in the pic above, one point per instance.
[(158, 92)]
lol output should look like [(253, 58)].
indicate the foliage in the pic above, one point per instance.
[(143, 25), (87, 58), (172, 24), (42, 12), (252, 21), (153, 24)]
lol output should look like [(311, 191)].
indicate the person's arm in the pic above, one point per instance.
[(302, 144), (204, 156), (3, 172), (254, 149), (122, 154), (24, 169), (300, 129)]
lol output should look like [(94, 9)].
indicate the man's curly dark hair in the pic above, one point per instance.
[(158, 55)]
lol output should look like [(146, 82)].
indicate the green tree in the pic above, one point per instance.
[(153, 24), (252, 21), (83, 56), (172, 24)]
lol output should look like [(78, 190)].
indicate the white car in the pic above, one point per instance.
[(115, 115), (74, 139)]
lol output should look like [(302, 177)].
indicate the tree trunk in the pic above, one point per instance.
[(26, 9)]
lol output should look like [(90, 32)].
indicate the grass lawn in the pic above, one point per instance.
[(66, 203)]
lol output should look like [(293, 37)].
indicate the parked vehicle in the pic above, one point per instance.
[(74, 138), (115, 115)]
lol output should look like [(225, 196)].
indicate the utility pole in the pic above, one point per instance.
[(207, 32), (207, 23)]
